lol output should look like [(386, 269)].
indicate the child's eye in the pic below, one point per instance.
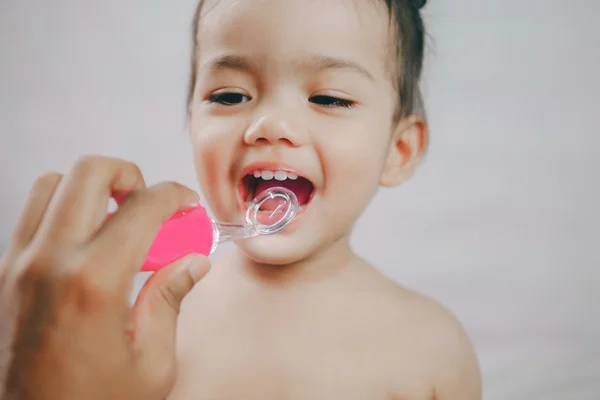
[(229, 99), (330, 101)]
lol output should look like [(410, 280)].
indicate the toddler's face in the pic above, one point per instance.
[(296, 94)]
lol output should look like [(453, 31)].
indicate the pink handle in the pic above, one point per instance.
[(186, 232)]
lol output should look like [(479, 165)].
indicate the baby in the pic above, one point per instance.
[(320, 97)]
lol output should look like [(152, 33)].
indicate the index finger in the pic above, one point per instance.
[(79, 208), (121, 245)]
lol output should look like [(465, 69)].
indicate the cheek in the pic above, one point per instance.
[(213, 149), (352, 173), (356, 156), (206, 159)]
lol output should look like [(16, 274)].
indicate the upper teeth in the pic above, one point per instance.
[(279, 175)]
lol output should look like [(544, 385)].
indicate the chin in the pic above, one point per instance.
[(278, 249)]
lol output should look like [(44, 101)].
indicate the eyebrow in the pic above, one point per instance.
[(325, 62), (319, 62), (241, 63)]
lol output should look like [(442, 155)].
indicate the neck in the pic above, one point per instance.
[(325, 264)]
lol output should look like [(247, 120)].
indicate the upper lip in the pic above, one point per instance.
[(273, 166)]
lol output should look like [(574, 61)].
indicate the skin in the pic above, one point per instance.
[(67, 330), (298, 315), (293, 316)]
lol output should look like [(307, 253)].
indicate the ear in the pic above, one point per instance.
[(406, 148)]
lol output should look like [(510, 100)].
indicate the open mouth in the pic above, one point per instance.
[(261, 180)]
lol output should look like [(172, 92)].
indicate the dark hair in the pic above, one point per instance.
[(409, 33)]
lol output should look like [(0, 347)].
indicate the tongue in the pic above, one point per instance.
[(301, 187)]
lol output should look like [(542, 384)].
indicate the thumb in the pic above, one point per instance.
[(155, 315)]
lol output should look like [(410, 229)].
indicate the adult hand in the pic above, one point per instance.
[(66, 328)]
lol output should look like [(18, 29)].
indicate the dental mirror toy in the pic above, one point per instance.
[(192, 231)]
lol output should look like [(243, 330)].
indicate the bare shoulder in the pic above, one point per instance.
[(422, 330), (452, 359)]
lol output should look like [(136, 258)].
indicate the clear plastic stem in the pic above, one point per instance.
[(225, 232)]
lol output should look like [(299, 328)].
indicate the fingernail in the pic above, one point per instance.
[(193, 200), (196, 271), (192, 204)]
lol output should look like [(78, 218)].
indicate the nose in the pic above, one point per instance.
[(270, 130)]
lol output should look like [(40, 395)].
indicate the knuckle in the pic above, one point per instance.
[(93, 161), (66, 273), (167, 294), (132, 168), (87, 162), (58, 279), (130, 174), (93, 164), (124, 165), (40, 257), (30, 279), (80, 291), (35, 267), (87, 165)]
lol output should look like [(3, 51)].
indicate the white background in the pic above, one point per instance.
[(501, 222)]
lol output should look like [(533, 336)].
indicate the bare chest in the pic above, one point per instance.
[(293, 357)]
